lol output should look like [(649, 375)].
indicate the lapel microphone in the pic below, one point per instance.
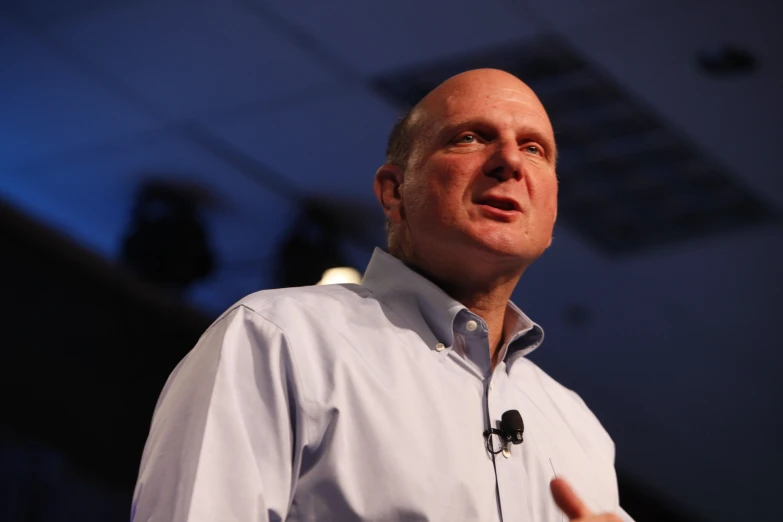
[(511, 429)]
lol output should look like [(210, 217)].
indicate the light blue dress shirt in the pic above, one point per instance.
[(365, 402)]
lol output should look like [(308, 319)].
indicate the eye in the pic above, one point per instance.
[(466, 138), (532, 149)]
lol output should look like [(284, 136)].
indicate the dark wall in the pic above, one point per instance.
[(85, 350)]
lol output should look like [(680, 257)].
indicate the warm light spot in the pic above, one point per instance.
[(338, 275)]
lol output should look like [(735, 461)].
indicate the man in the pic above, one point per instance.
[(370, 402)]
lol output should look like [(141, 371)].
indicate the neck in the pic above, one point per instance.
[(486, 294)]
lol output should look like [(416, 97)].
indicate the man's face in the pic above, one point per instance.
[(481, 181)]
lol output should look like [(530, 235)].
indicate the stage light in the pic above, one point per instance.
[(167, 243), (312, 246), (342, 274)]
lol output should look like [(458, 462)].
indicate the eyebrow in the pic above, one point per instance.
[(479, 123)]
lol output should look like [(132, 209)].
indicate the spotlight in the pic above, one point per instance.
[(311, 247), (167, 243)]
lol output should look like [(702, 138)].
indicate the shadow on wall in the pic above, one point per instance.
[(38, 484)]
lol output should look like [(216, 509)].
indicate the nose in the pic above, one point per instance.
[(505, 163)]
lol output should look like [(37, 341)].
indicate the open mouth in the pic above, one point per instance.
[(500, 204)]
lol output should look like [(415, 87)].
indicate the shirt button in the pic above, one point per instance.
[(440, 347), (471, 325)]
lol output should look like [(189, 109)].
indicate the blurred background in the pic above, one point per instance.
[(160, 159)]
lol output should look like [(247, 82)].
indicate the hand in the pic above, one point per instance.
[(572, 505)]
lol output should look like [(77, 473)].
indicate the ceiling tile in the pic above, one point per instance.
[(329, 145), (734, 120), (373, 37), (48, 108), (568, 13), (189, 58), (51, 11)]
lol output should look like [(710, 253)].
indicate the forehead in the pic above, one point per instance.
[(503, 105)]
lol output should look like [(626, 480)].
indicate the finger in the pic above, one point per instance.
[(567, 500), (606, 517)]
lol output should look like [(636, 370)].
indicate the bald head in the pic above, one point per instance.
[(435, 106), (479, 83)]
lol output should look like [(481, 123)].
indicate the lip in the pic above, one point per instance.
[(496, 202), (489, 206), (498, 214)]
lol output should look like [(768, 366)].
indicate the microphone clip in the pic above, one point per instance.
[(511, 430)]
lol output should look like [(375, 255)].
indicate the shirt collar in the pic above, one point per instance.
[(406, 292)]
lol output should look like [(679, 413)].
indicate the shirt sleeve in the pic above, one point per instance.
[(227, 432)]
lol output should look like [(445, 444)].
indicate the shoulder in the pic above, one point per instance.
[(291, 308), (317, 332), (573, 409), (315, 324), (297, 330)]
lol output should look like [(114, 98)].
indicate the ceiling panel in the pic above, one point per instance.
[(735, 120), (50, 11), (90, 199), (372, 37), (188, 58), (568, 13), (330, 144), (47, 107)]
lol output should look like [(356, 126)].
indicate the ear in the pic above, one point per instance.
[(388, 190)]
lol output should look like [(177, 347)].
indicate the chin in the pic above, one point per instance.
[(503, 245)]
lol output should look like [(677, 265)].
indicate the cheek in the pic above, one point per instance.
[(544, 193), (552, 198), (418, 203), (448, 184), (437, 192)]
